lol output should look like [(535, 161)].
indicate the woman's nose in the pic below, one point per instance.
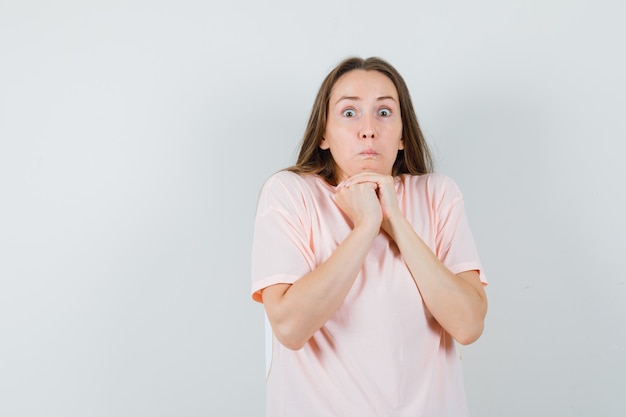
[(367, 129)]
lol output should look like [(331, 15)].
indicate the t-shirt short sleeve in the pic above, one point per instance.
[(281, 249), (455, 244)]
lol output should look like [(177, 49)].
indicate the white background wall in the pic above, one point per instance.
[(135, 135)]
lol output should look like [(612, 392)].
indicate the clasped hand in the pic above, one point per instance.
[(369, 199)]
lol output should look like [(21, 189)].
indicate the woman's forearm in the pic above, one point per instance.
[(298, 310), (457, 302)]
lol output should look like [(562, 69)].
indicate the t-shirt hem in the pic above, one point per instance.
[(260, 285), (469, 266)]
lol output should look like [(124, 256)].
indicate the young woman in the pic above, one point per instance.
[(364, 261)]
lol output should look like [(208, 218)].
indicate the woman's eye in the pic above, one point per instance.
[(349, 113), (384, 112)]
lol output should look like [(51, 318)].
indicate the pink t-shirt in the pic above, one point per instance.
[(381, 353)]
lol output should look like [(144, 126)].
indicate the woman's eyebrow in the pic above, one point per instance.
[(356, 98), (347, 98)]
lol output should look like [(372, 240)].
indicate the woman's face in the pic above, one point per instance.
[(364, 127)]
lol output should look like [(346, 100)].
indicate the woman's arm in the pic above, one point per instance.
[(458, 302), (298, 310)]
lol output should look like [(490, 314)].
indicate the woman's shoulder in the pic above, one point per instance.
[(290, 178), (433, 184), (287, 182), (283, 176), (433, 179), (287, 190)]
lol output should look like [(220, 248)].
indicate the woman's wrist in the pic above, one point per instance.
[(393, 223), (367, 229)]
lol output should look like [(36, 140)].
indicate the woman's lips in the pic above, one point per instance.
[(369, 152)]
